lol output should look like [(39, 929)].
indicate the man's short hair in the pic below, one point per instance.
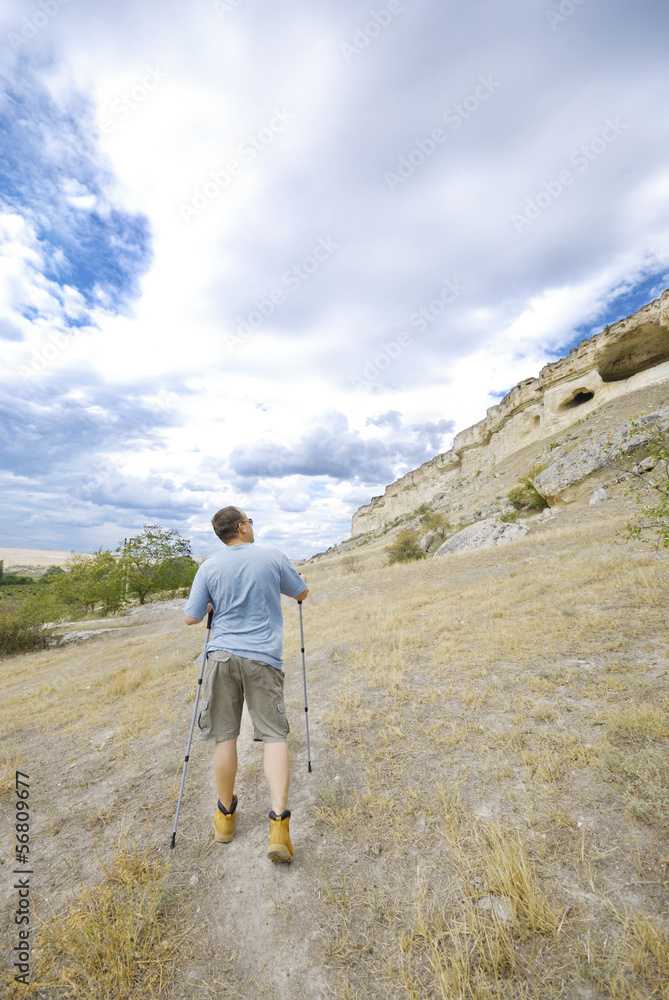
[(226, 521)]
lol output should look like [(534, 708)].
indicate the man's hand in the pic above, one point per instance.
[(302, 596)]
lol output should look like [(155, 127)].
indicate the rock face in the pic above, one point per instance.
[(554, 482), (628, 356), (482, 536)]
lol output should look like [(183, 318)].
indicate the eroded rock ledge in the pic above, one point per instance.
[(623, 358)]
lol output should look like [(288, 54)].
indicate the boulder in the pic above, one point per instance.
[(482, 535), (598, 496)]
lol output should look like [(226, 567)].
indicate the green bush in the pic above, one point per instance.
[(510, 518), (91, 583), (526, 496), (12, 579), (404, 548), (22, 629), (48, 574), (437, 522)]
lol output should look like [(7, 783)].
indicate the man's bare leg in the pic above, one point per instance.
[(277, 772), (225, 770)]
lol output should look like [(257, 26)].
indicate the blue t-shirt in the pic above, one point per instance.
[(244, 584)]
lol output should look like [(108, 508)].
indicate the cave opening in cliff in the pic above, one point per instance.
[(583, 396), (645, 348)]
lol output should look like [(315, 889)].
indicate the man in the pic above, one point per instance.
[(244, 583)]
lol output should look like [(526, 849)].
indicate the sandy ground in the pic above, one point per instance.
[(27, 559)]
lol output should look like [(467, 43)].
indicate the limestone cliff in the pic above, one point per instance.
[(622, 359)]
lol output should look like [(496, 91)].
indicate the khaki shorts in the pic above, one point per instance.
[(228, 680)]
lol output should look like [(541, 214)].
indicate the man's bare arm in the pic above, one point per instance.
[(195, 621)]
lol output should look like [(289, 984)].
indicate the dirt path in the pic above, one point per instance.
[(258, 920)]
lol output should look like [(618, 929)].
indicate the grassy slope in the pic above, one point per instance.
[(488, 813), (503, 720)]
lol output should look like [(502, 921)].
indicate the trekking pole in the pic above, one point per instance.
[(304, 678), (192, 725)]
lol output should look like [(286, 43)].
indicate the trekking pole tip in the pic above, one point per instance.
[(309, 767), (174, 837)]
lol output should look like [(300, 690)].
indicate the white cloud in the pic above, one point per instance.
[(162, 96)]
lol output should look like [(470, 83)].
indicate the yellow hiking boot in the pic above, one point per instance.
[(280, 847), (224, 822)]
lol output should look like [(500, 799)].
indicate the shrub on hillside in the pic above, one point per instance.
[(404, 548), (526, 496), (511, 517), (648, 470), (438, 524), (15, 579), (49, 573), (352, 564), (22, 629)]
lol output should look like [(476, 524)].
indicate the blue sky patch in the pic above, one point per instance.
[(50, 176)]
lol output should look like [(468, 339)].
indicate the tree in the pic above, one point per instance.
[(157, 559), (91, 582)]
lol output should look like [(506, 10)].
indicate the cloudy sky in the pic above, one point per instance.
[(277, 254)]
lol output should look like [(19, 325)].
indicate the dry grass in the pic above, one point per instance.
[(10, 762), (88, 698), (498, 700), (631, 965), (117, 940), (491, 786)]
